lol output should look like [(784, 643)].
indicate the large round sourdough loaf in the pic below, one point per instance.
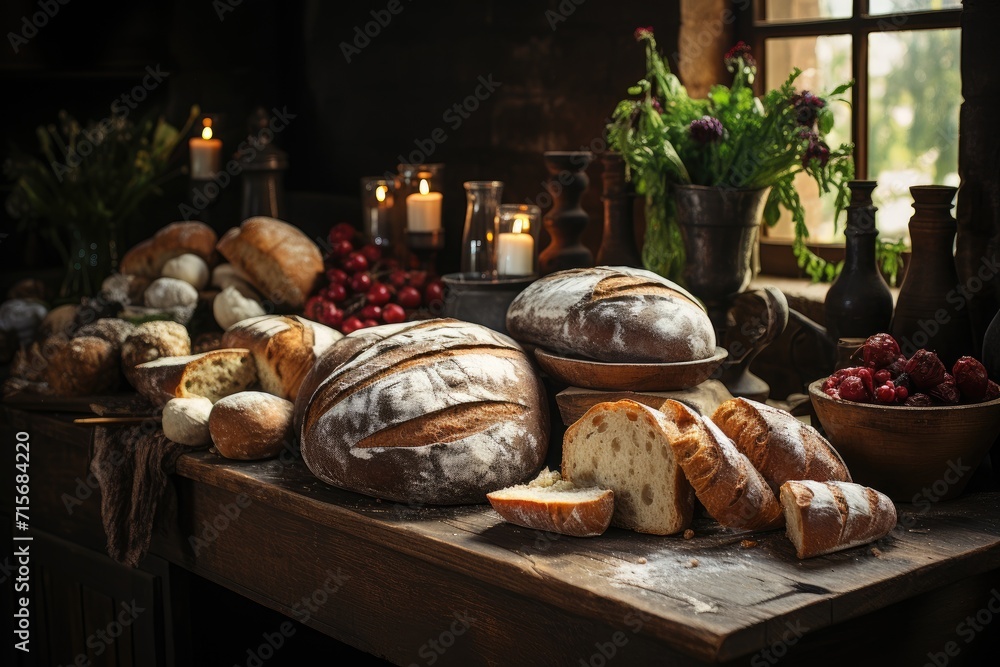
[(438, 411), (614, 314)]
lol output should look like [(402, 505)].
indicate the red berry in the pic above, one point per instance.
[(902, 393), (337, 276), (970, 376), (361, 282), (393, 313), (350, 325), (371, 252), (418, 278), (398, 278), (370, 312), (885, 394), (330, 315), (882, 376), (342, 231), (312, 308), (341, 248), (434, 292), (925, 369), (880, 350), (336, 293), (853, 389), (409, 297), (946, 391), (866, 376), (355, 263), (992, 391), (369, 323), (378, 294)]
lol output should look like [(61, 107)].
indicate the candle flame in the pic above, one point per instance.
[(522, 224), (380, 193), (206, 132), (424, 186)]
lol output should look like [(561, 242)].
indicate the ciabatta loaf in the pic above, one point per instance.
[(823, 517), (614, 314), (148, 257), (726, 483), (778, 445), (625, 446), (555, 505), (212, 374)]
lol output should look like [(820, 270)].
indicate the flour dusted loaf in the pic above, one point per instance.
[(436, 411), (780, 446), (251, 425), (824, 517), (613, 314), (153, 340), (625, 446), (281, 261), (284, 347), (555, 505), (148, 257), (212, 374), (80, 366), (185, 421)]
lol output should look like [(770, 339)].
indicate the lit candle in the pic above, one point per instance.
[(378, 230), (206, 153), (423, 209), (516, 249)]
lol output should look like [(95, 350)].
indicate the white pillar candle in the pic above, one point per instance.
[(206, 154), (515, 254), (423, 210)]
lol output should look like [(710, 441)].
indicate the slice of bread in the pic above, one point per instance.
[(214, 375), (555, 505), (625, 446)]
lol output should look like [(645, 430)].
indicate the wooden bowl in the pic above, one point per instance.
[(913, 455), (629, 377)]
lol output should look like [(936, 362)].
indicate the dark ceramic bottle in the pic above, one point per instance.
[(859, 303), (930, 310)]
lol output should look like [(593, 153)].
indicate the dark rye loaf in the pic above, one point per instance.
[(438, 411), (612, 314)]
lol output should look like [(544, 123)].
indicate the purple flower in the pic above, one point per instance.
[(817, 150), (706, 130), (642, 33), (740, 50), (807, 107)]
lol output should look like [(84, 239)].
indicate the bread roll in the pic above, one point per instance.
[(724, 480), (81, 366), (111, 329), (613, 314), (124, 288), (555, 505), (281, 261), (285, 347), (185, 421), (251, 425), (437, 411), (148, 257), (211, 374), (778, 445), (152, 340), (824, 517), (625, 446), (230, 307), (226, 275), (170, 293), (22, 318), (188, 267), (60, 320)]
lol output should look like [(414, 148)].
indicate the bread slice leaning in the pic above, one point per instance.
[(780, 446), (212, 374), (824, 517), (726, 483), (625, 446), (555, 505)]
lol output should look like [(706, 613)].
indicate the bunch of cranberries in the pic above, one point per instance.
[(362, 289), (889, 378)]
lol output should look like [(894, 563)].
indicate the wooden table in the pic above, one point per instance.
[(458, 586)]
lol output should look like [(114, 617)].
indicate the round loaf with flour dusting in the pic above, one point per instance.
[(438, 411), (612, 314)]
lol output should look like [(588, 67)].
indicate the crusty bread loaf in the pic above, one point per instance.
[(614, 314), (111, 329), (823, 517), (148, 257), (436, 411), (555, 505), (281, 261), (328, 362), (724, 480), (625, 446), (153, 340), (185, 421), (285, 347), (780, 446), (212, 374), (80, 366), (251, 425)]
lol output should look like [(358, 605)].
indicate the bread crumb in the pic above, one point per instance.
[(876, 552), (748, 544), (688, 534), (642, 561), (692, 563)]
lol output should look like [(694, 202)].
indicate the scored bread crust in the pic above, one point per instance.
[(824, 517), (178, 238), (612, 314), (778, 445), (213, 374), (281, 261), (724, 480), (284, 349), (555, 505), (625, 446), (436, 411)]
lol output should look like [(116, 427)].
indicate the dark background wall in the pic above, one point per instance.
[(561, 65)]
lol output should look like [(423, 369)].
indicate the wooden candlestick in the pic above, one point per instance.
[(566, 220)]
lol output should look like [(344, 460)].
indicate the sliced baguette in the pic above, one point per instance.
[(726, 483), (214, 375), (555, 505), (625, 446), (778, 445), (824, 517)]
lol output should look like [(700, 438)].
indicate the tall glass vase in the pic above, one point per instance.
[(482, 201)]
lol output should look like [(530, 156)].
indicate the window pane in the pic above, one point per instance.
[(825, 63), (804, 10), (914, 97), (894, 6)]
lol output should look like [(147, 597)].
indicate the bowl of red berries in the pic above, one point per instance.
[(909, 426)]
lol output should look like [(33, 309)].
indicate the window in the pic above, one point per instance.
[(904, 58)]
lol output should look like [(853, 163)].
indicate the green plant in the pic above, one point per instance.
[(729, 139)]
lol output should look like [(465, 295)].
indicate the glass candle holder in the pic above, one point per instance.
[(376, 210), (482, 201), (418, 197), (517, 233)]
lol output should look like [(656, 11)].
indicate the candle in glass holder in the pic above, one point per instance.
[(376, 202), (515, 242), (423, 209), (206, 153)]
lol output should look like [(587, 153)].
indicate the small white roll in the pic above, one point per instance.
[(185, 421), (230, 307), (170, 293), (190, 268)]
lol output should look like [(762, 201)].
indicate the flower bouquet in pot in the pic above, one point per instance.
[(729, 141)]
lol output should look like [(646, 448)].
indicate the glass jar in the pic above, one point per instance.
[(482, 202), (517, 240), (376, 211), (408, 182)]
